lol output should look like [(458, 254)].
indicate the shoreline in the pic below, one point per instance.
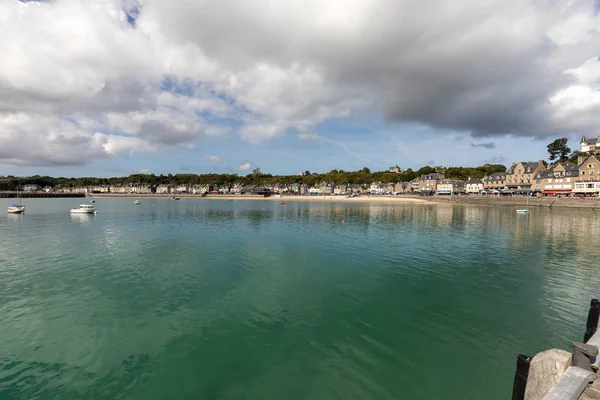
[(277, 198), (533, 202)]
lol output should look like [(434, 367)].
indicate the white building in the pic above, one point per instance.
[(587, 145), (163, 189), (100, 189), (182, 189), (474, 186), (586, 188)]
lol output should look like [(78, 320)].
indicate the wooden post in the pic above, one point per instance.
[(592, 320), (521, 373)]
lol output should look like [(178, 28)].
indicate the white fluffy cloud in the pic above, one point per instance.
[(244, 167), (81, 83), (211, 158)]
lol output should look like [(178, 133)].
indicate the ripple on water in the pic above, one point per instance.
[(253, 300)]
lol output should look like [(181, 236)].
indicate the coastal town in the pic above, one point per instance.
[(562, 178)]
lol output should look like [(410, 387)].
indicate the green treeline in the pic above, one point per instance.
[(339, 177)]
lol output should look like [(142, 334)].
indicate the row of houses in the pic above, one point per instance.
[(560, 179), (524, 177)]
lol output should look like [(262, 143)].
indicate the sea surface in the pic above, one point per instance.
[(209, 299)]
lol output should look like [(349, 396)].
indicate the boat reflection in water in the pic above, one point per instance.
[(84, 209), (82, 218)]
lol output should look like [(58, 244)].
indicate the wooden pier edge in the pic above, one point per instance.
[(557, 374)]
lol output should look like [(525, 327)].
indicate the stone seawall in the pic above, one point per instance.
[(589, 203), (585, 203), (170, 196), (30, 195)]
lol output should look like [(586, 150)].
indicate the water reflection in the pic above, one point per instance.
[(356, 309), (83, 219)]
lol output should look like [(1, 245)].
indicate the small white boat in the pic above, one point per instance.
[(92, 201), (16, 209), (137, 202), (84, 209)]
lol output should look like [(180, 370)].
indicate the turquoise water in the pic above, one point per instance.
[(200, 299)]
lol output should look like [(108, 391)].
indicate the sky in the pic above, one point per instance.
[(114, 87)]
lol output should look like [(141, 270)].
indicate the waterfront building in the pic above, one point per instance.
[(354, 189), (182, 189), (429, 182), (450, 187), (520, 176), (588, 181), (495, 181), (558, 180), (589, 170), (164, 189), (326, 188), (340, 189), (474, 186), (141, 189)]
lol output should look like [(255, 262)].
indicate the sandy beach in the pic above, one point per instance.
[(584, 203), (337, 199)]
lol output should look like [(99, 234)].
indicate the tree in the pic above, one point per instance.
[(559, 149), (574, 157), (425, 170)]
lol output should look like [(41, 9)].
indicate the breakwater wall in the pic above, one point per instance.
[(29, 195), (557, 374), (570, 202), (171, 196)]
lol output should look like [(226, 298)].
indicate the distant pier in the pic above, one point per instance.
[(26, 195)]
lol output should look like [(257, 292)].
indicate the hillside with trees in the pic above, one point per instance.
[(339, 177)]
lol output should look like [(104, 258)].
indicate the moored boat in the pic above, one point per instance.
[(16, 209), (84, 209), (137, 202)]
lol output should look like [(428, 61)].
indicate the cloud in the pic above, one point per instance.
[(120, 77), (142, 171), (211, 158), (244, 167), (496, 160), (308, 136), (487, 145), (64, 142)]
